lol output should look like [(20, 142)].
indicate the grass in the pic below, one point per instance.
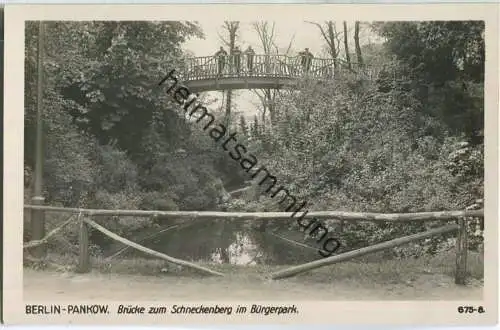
[(394, 271), (357, 270)]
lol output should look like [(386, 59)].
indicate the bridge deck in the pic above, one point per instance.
[(227, 83)]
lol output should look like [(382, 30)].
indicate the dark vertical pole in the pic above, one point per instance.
[(84, 258), (461, 261), (38, 216)]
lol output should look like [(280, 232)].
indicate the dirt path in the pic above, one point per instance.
[(43, 285)]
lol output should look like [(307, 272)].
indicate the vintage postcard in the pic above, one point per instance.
[(251, 164)]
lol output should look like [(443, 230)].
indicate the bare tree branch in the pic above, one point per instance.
[(232, 28), (331, 37), (346, 46), (290, 45), (266, 35)]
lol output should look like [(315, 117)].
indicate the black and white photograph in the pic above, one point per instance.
[(285, 160)]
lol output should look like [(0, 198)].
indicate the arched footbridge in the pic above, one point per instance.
[(209, 73)]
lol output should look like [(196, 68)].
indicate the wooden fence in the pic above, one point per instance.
[(84, 218)]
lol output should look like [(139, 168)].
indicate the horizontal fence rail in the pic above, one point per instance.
[(325, 215)]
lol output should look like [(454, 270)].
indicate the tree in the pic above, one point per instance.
[(243, 126), (446, 60), (255, 128), (331, 37), (346, 47), (231, 28), (267, 96), (107, 72)]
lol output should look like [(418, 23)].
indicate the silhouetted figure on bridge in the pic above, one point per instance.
[(237, 59), (302, 56), (220, 56), (306, 58), (250, 54), (310, 58)]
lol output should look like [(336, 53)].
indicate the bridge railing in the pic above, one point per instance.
[(234, 66), (275, 66)]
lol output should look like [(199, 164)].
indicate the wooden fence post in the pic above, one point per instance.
[(462, 246), (84, 257)]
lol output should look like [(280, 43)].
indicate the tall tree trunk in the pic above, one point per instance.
[(346, 46), (267, 97), (264, 113), (356, 44), (332, 39), (271, 96), (232, 29), (229, 96), (333, 49)]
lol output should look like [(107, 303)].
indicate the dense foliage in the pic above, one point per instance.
[(113, 140), (408, 141)]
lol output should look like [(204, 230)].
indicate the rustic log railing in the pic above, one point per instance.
[(461, 218)]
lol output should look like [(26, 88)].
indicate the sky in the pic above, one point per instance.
[(300, 33)]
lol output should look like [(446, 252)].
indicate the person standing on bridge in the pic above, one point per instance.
[(249, 54), (302, 56), (308, 57), (220, 56), (237, 59)]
